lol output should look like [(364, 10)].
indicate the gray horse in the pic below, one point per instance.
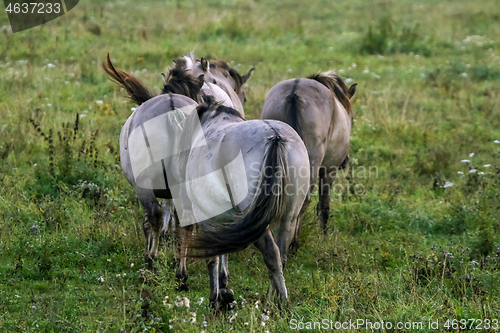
[(225, 84), (232, 209), (179, 92), (247, 175), (319, 109)]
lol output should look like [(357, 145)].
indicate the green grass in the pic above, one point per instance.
[(428, 77)]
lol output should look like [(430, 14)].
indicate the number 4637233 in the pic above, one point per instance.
[(476, 324), (34, 8)]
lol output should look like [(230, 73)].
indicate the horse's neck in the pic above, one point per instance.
[(234, 98), (224, 94)]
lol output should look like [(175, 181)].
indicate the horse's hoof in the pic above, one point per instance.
[(149, 262), (227, 297), (215, 305), (182, 284)]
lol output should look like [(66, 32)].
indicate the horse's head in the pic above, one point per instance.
[(217, 74), (221, 70)]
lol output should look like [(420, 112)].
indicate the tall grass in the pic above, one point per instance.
[(410, 247)]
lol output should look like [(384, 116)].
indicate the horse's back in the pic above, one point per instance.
[(307, 106), (144, 140), (312, 110), (254, 137)]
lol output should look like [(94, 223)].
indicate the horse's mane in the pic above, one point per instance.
[(209, 103), (338, 88), (136, 90), (178, 81)]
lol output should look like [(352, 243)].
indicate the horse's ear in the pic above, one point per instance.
[(245, 77), (200, 80), (204, 64), (351, 91)]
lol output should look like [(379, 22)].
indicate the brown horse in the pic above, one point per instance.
[(319, 109)]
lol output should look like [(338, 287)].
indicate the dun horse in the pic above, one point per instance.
[(319, 109), (269, 185), (271, 153), (179, 80)]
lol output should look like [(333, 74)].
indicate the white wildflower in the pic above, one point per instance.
[(200, 301), (99, 102), (264, 317), (496, 141), (348, 80), (100, 279), (480, 173), (182, 301), (51, 66), (233, 317), (471, 154), (460, 172), (464, 74), (465, 161), (487, 165), (472, 171), (448, 184)]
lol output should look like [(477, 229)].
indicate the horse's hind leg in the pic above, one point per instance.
[(151, 226), (323, 209), (224, 271), (272, 259), (181, 273), (213, 271), (227, 295), (168, 228), (295, 242)]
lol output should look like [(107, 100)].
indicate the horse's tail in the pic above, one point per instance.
[(292, 107), (136, 90), (269, 205)]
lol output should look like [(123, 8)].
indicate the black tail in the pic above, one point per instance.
[(293, 107), (270, 204), (136, 90)]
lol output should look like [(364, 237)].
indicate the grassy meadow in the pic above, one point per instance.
[(414, 234)]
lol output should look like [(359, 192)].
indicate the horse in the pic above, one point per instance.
[(217, 74), (225, 84), (179, 80), (179, 92), (319, 109), (223, 72), (247, 176)]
